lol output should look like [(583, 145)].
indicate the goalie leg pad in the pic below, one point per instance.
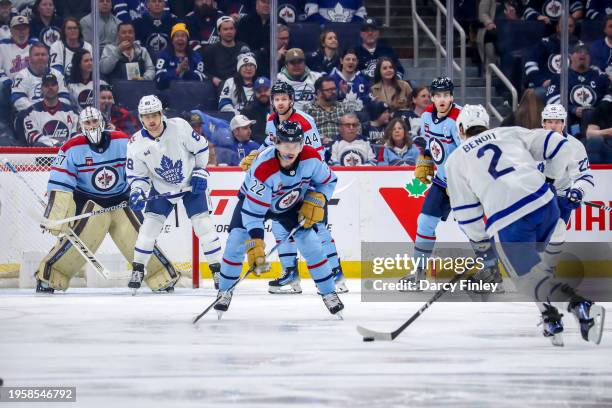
[(204, 228), (309, 245), (64, 261), (149, 231)]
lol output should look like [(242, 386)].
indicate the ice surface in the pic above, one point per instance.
[(287, 351)]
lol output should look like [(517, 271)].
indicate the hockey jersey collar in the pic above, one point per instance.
[(434, 114), (146, 134)]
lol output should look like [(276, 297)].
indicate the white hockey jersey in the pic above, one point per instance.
[(44, 126), (14, 58), (27, 89), (81, 95), (60, 56), (355, 153), (166, 164), (227, 99), (303, 88), (495, 175)]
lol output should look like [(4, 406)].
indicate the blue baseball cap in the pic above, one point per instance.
[(261, 82)]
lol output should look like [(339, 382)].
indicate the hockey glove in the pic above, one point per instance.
[(256, 256), (312, 210), (424, 169), (137, 199), (574, 196), (246, 163), (199, 181)]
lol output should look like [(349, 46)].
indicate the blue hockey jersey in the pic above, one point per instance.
[(153, 33), (586, 89), (202, 28), (337, 11), (391, 156), (596, 9), (601, 54), (368, 60), (80, 168), (357, 84), (268, 188), (130, 10), (544, 60), (549, 8), (165, 68)]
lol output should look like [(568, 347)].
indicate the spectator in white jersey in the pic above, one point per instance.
[(237, 91), (61, 52), (107, 24), (300, 77), (80, 81), (15, 52), (351, 149), (126, 59)]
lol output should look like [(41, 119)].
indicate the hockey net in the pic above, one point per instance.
[(23, 244)]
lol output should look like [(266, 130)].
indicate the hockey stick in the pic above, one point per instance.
[(117, 207), (604, 207), (70, 234), (251, 270), (371, 335)]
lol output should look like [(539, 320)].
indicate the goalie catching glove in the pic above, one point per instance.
[(256, 256), (424, 169), (60, 206), (199, 181), (246, 163), (312, 210)]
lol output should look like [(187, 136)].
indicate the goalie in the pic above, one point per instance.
[(89, 174)]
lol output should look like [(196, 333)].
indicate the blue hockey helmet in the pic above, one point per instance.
[(290, 132), (441, 84)]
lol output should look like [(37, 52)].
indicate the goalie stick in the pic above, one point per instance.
[(243, 277), (371, 335), (70, 234)]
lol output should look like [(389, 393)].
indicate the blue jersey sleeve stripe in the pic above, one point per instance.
[(554, 153), (471, 220), (546, 143), (61, 184), (465, 207), (586, 178), (518, 205), (202, 150)]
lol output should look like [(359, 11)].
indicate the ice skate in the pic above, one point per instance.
[(215, 269), (413, 278), (288, 283), (553, 326), (225, 298), (137, 277), (333, 304), (340, 280), (43, 287), (590, 318), (490, 274)]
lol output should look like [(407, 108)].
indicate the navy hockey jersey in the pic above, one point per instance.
[(165, 68), (153, 33), (368, 60), (586, 89), (545, 60), (336, 11)]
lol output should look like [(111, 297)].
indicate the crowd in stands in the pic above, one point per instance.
[(210, 61)]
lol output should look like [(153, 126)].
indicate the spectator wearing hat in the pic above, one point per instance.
[(335, 11), (351, 149), (372, 48), (259, 108), (299, 76), (15, 53), (45, 25), (349, 80), (26, 89), (230, 151), (202, 23), (49, 122), (6, 13), (71, 40), (117, 117), (374, 130), (107, 24), (326, 110), (178, 61), (237, 91), (220, 58), (126, 59), (196, 123), (154, 27)]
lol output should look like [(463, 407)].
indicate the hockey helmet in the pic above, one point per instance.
[(441, 84), (150, 104), (554, 111), (472, 115), (281, 87), (290, 132), (92, 124)]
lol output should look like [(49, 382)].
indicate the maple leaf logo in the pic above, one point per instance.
[(171, 172), (415, 188)]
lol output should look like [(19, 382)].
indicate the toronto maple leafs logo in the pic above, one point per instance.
[(171, 172)]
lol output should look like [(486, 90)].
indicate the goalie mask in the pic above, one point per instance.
[(92, 124)]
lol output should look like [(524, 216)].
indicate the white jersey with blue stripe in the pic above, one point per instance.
[(312, 137), (495, 175), (269, 188), (166, 162), (441, 138)]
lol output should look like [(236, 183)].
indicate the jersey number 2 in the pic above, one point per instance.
[(494, 161)]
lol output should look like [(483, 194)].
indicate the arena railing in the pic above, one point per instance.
[(490, 70)]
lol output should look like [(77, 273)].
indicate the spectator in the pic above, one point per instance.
[(26, 89), (599, 133), (49, 122), (529, 111), (80, 81), (597, 9), (291, 11), (487, 32), (350, 149), (61, 52), (195, 121), (107, 25), (513, 10), (230, 151), (6, 13), (15, 53), (299, 76), (259, 108), (72, 8), (153, 28), (237, 91), (398, 150), (349, 80), (202, 23), (327, 57), (45, 25), (326, 110), (374, 130), (127, 59), (116, 116), (220, 58), (282, 45), (335, 11), (601, 50), (129, 10), (549, 12), (178, 61), (236, 9), (254, 28), (421, 98), (372, 48), (389, 88), (586, 87), (545, 59)]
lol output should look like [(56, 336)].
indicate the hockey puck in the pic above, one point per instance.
[(368, 339)]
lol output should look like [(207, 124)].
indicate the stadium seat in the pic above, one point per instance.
[(516, 35), (128, 93), (591, 30), (305, 36), (185, 95), (348, 33)]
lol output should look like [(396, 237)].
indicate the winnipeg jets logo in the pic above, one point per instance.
[(157, 41), (104, 178), (288, 200), (287, 13), (582, 95), (553, 9), (85, 98), (56, 129), (437, 151), (351, 158), (50, 36), (554, 63), (169, 171)]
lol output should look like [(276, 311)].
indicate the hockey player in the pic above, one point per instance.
[(282, 97), (89, 174), (288, 183), (493, 175), (165, 156)]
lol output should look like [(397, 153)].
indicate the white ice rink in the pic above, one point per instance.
[(287, 351)]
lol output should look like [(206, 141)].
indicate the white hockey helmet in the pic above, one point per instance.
[(472, 115), (554, 111), (92, 124), (150, 104)]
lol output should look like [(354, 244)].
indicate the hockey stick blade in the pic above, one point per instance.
[(374, 335)]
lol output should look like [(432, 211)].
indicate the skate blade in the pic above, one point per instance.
[(134, 291), (598, 314), (557, 340), (339, 315), (291, 290), (219, 314), (341, 287)]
